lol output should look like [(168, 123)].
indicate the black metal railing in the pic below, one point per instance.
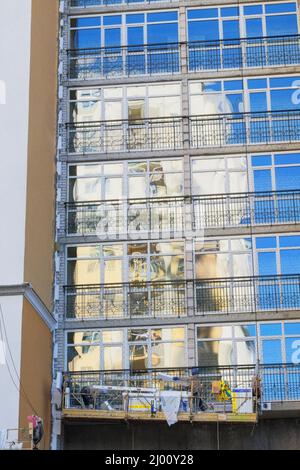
[(153, 59), (252, 294), (246, 209), (244, 53), (126, 300), (209, 389), (124, 61), (178, 216), (162, 299), (125, 136), (244, 128), (96, 3), (205, 131), (127, 219), (280, 382)]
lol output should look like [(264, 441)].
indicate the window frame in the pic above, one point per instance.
[(126, 344)]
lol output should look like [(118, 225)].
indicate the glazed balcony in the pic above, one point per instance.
[(177, 216), (171, 299), (205, 131), (168, 59)]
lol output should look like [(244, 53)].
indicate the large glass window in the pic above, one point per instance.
[(237, 96), (95, 350), (150, 110), (119, 30), (276, 172), (222, 270), (269, 343), (133, 262), (214, 36), (278, 254), (156, 348), (219, 175), (119, 191), (256, 96), (133, 179), (206, 24), (132, 102), (223, 258), (135, 349), (226, 345)]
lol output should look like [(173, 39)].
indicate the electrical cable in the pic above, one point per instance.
[(21, 388)]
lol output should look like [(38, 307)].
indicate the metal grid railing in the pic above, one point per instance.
[(247, 294), (155, 217), (96, 3), (169, 298), (280, 382), (154, 134), (246, 209), (130, 61), (125, 136), (153, 59), (244, 53), (244, 128), (128, 219), (126, 300)]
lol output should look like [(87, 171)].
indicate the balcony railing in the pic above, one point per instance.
[(126, 300), (220, 389), (246, 209), (244, 128), (247, 294), (165, 299), (97, 3), (280, 383), (205, 131), (147, 60), (159, 217), (127, 219), (244, 53), (232, 390), (125, 136), (130, 61)]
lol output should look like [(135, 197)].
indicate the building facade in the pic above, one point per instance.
[(28, 83), (178, 210)]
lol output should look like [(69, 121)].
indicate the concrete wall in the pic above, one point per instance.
[(15, 26), (268, 434), (36, 370), (11, 321), (41, 149)]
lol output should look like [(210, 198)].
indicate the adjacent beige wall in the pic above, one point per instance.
[(36, 370), (41, 149)]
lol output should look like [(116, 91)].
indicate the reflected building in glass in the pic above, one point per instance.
[(178, 214)]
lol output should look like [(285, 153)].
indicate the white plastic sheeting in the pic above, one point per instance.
[(170, 403)]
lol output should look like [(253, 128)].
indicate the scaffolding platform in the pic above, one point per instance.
[(203, 417)]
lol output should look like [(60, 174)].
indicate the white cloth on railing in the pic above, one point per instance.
[(170, 403)]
